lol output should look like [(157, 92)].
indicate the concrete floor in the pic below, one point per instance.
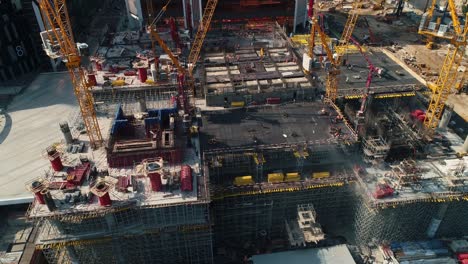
[(31, 125)]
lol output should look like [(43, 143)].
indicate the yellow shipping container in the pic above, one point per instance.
[(292, 176), (238, 104), (243, 180), (318, 175), (275, 177)]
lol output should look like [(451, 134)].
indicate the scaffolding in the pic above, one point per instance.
[(170, 234)]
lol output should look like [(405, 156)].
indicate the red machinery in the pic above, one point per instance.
[(382, 191), (372, 70)]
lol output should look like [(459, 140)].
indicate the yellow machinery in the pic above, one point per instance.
[(60, 33), (341, 47), (243, 180), (198, 41), (196, 45), (319, 175), (275, 177), (292, 177), (446, 81), (432, 33)]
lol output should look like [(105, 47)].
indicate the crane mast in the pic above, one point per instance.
[(332, 76), (446, 81), (194, 52), (198, 41), (60, 35)]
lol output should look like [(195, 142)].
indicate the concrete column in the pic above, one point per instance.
[(66, 132), (444, 121)]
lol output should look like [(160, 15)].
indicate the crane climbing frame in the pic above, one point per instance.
[(58, 23)]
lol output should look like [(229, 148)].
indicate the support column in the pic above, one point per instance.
[(66, 132), (446, 117)]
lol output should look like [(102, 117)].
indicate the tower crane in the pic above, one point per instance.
[(194, 52), (62, 45), (198, 41), (340, 49), (446, 81), (431, 33)]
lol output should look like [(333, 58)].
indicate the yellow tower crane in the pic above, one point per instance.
[(198, 41), (196, 45), (340, 49), (62, 45), (432, 32), (446, 81)]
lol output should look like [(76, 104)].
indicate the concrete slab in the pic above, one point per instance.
[(31, 125)]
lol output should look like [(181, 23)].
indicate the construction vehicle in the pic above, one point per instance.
[(60, 43)]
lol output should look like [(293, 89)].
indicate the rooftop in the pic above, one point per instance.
[(125, 185), (293, 123), (31, 125), (329, 255), (394, 79)]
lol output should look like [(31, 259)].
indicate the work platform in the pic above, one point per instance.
[(305, 123), (394, 81)]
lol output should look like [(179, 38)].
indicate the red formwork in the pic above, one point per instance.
[(56, 163), (142, 74), (186, 178), (92, 79), (105, 200), (39, 197), (155, 180)]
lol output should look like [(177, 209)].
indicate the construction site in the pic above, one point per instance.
[(245, 131)]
